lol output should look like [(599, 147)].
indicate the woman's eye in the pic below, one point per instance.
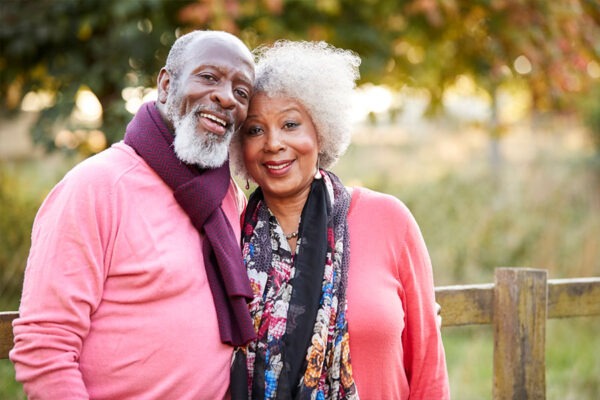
[(253, 130), (291, 125)]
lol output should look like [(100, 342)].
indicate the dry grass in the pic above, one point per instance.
[(539, 208)]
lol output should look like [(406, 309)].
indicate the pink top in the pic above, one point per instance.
[(116, 303), (395, 343)]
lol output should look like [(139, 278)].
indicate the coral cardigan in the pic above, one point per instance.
[(395, 343), (116, 303)]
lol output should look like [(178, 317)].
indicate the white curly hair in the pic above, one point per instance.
[(319, 76)]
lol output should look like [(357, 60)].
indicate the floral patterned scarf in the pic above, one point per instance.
[(299, 307)]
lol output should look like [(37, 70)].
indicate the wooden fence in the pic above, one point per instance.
[(517, 304)]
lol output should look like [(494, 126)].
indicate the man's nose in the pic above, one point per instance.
[(223, 94)]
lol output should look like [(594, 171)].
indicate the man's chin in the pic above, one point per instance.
[(194, 145), (215, 138), (211, 156)]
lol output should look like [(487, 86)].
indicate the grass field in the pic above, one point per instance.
[(538, 207)]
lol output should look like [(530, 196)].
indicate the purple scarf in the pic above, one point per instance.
[(200, 192)]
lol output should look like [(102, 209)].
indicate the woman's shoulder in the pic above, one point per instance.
[(382, 211), (371, 201)]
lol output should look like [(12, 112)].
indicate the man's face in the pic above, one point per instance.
[(208, 100)]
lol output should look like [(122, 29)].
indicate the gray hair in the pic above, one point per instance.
[(319, 76), (176, 57)]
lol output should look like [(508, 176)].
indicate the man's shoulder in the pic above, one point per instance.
[(117, 155), (110, 164)]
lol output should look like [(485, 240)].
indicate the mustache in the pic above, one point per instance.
[(228, 114), (190, 120)]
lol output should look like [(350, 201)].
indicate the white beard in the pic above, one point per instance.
[(195, 146)]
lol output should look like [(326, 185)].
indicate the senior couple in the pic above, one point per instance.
[(135, 287)]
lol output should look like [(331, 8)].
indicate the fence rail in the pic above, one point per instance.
[(473, 304), (517, 304)]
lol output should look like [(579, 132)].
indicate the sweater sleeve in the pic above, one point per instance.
[(62, 287), (424, 357)]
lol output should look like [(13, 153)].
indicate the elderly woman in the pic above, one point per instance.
[(343, 290)]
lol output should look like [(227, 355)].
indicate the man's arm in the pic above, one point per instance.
[(63, 285)]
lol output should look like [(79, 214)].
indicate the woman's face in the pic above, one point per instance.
[(280, 146)]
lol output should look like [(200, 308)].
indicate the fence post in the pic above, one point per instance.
[(519, 319)]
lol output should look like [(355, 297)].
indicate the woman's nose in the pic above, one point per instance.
[(273, 141)]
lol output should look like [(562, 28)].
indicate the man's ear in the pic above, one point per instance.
[(163, 85)]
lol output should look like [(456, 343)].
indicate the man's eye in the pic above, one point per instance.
[(208, 77), (291, 125), (242, 93)]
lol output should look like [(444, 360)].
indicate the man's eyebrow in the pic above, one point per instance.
[(221, 69)]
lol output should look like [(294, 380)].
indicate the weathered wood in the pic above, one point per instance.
[(6, 332), (461, 305), (520, 300), (465, 304), (573, 297), (472, 304)]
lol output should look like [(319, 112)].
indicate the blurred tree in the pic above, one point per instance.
[(428, 43), (590, 112), (107, 45), (60, 46)]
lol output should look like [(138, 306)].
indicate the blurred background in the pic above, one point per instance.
[(483, 116)]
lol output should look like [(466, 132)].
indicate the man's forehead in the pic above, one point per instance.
[(220, 54), (221, 41)]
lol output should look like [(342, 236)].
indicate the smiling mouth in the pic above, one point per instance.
[(215, 119), (276, 167)]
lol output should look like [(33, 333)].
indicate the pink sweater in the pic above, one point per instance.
[(116, 303), (395, 344)]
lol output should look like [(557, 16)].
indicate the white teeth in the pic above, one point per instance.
[(276, 167), (213, 118)]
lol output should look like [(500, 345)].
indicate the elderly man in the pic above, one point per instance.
[(134, 287)]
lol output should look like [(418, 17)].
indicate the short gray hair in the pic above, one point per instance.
[(319, 76), (176, 57)]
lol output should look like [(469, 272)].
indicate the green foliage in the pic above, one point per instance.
[(58, 46), (23, 187), (107, 45), (10, 389), (16, 219), (572, 373), (542, 213), (428, 44), (590, 110), (469, 358)]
